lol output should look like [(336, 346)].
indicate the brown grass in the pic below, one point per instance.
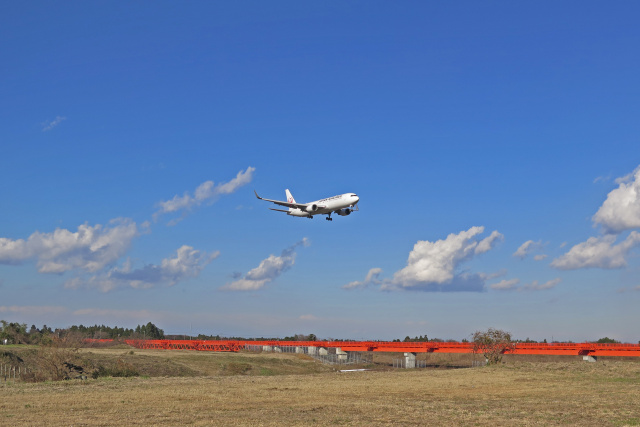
[(230, 390)]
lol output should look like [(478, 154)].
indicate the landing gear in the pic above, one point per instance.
[(328, 218)]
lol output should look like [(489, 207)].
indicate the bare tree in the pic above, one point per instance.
[(492, 343)]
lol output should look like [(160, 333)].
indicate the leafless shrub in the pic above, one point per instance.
[(55, 361), (493, 344)]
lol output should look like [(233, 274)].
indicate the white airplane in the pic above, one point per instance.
[(341, 205)]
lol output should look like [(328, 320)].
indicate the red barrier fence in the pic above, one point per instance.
[(579, 349)]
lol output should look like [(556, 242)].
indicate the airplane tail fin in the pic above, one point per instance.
[(290, 198)]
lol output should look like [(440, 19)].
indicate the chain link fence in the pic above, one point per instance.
[(402, 363), (330, 358)]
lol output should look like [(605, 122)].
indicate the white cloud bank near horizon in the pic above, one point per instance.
[(512, 285), (205, 192), (268, 270), (505, 285)]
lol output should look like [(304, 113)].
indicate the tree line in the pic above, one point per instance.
[(19, 333)]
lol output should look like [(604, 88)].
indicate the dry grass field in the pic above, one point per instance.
[(285, 389)]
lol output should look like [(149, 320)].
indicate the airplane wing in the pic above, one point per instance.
[(281, 203)]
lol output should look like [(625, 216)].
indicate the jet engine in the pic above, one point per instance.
[(343, 212), (311, 208)]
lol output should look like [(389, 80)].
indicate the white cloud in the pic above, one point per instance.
[(268, 270), (32, 309), (621, 210), (372, 278), (50, 124), (434, 265), (495, 275), (540, 257), (206, 191), (628, 289), (89, 248), (505, 285), (512, 285), (111, 313), (526, 248), (307, 317), (535, 286), (187, 263), (598, 252), (486, 244)]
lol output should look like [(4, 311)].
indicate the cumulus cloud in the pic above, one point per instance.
[(372, 278), (598, 252), (434, 266), (268, 270), (50, 124), (621, 210), (90, 248), (205, 192), (187, 263), (540, 257)]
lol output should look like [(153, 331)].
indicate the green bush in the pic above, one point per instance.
[(120, 369)]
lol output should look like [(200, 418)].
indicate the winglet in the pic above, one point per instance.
[(257, 195)]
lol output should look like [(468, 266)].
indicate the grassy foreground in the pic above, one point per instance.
[(255, 389)]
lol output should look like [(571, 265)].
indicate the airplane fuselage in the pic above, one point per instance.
[(327, 206), (342, 205)]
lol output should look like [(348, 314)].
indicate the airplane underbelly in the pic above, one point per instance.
[(330, 207), (298, 212)]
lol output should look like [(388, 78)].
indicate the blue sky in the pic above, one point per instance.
[(494, 148)]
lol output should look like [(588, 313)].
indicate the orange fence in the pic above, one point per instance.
[(580, 349)]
